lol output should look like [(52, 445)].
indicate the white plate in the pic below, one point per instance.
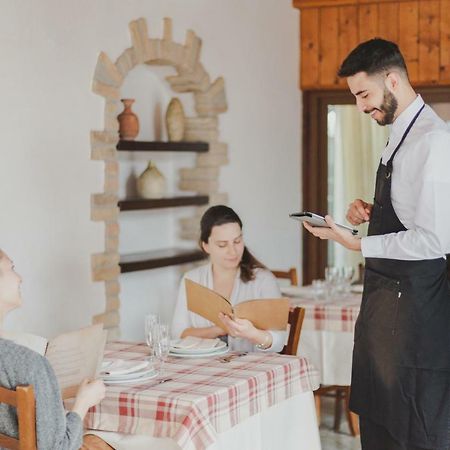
[(197, 351), (129, 376), (357, 288), (297, 291), (219, 352), (135, 380), (119, 367)]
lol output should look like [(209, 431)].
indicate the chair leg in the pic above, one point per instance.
[(338, 408), (317, 402), (352, 418)]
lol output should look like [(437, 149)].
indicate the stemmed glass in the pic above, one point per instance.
[(161, 344), (347, 276), (150, 321), (331, 279)]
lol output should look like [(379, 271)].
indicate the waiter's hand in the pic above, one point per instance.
[(359, 212), (335, 233)]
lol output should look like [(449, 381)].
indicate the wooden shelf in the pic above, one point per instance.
[(160, 146), (134, 204), (158, 258)]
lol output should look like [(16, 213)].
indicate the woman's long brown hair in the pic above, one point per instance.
[(220, 215)]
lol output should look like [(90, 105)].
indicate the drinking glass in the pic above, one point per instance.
[(150, 321), (332, 280), (319, 289), (347, 276), (161, 344)]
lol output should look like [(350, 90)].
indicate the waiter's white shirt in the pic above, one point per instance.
[(420, 191), (264, 285)]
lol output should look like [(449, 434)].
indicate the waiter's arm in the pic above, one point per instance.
[(428, 237)]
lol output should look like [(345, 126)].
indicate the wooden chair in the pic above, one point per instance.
[(291, 275), (295, 321), (22, 398)]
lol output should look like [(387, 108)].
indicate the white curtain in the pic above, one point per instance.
[(355, 147)]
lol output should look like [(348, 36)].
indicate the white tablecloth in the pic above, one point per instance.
[(331, 353), (289, 425)]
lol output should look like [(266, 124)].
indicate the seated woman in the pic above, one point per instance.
[(234, 273), (21, 366)]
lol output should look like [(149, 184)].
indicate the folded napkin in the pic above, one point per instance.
[(121, 367), (192, 342)]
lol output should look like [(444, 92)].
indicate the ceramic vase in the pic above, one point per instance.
[(128, 121), (151, 183), (175, 120)]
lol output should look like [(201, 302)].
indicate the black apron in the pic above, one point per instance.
[(401, 356)]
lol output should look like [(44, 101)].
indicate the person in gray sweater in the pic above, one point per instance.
[(19, 365)]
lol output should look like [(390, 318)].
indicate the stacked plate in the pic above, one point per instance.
[(120, 371), (193, 347)]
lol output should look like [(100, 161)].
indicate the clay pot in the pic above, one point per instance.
[(175, 120), (151, 183), (128, 121)]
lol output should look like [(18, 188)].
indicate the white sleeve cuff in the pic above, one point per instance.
[(278, 341), (372, 246)]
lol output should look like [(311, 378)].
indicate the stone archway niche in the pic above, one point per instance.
[(209, 100)]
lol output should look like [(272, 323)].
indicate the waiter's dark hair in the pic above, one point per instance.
[(220, 215), (374, 56)]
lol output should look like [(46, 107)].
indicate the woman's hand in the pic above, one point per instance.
[(89, 394), (335, 233), (244, 329), (359, 212), (206, 332), (239, 328)]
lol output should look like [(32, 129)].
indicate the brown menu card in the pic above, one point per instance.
[(265, 314)]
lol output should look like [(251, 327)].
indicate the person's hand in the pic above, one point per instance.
[(335, 233), (359, 212), (217, 331), (238, 328), (89, 394)]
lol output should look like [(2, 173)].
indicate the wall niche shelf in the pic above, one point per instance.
[(135, 204), (161, 146), (158, 258)]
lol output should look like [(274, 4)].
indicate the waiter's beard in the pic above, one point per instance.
[(388, 107)]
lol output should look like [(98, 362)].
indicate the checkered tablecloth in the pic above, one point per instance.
[(205, 396), (336, 314)]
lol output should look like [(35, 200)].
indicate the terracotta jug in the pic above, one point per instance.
[(128, 121), (175, 120), (151, 183)]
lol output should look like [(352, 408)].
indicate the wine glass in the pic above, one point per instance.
[(331, 279), (150, 321), (161, 344), (347, 276)]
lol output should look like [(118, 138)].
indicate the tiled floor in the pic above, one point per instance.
[(329, 438)]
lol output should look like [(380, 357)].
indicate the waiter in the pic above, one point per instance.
[(401, 358)]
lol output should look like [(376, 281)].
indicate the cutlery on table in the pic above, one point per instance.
[(226, 359)]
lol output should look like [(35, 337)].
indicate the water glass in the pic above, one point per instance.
[(150, 321), (348, 273), (161, 344), (319, 289)]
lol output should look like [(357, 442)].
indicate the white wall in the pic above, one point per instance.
[(48, 52)]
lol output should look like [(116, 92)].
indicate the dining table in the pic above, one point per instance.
[(237, 401), (328, 330)]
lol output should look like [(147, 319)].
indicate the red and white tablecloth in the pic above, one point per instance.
[(327, 332), (336, 314), (204, 397)]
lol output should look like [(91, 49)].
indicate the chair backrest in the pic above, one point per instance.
[(296, 316), (291, 275), (22, 398)]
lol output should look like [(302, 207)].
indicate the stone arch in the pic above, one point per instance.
[(209, 100)]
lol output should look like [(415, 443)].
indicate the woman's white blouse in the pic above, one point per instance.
[(264, 285)]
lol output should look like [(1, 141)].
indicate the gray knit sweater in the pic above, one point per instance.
[(56, 430)]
